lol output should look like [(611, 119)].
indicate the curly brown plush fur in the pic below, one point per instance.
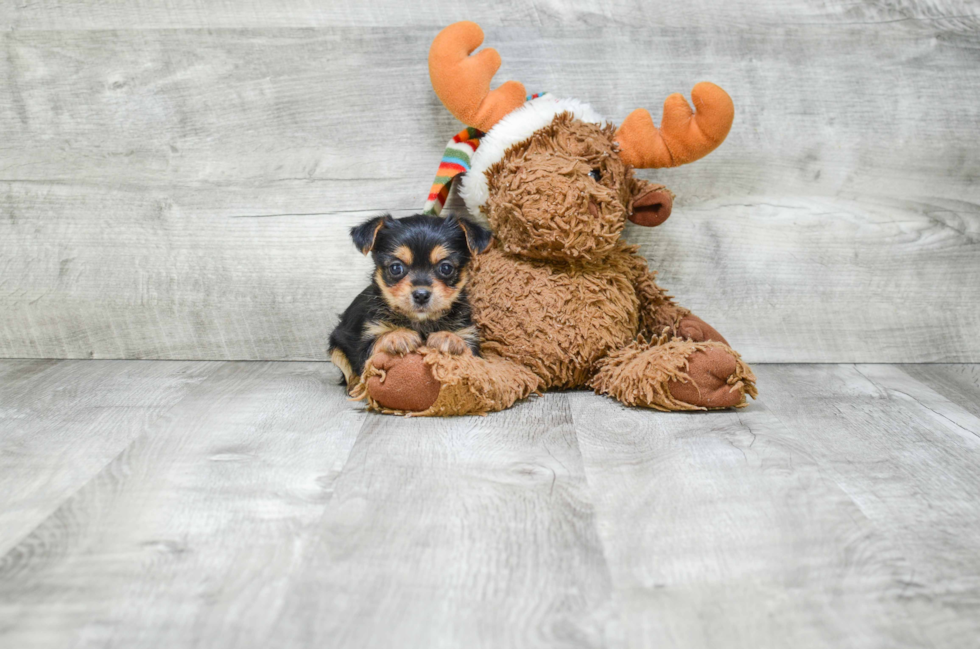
[(545, 205), (562, 302)]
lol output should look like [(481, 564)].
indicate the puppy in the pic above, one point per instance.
[(417, 295)]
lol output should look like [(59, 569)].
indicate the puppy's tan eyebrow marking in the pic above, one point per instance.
[(404, 254), (438, 254)]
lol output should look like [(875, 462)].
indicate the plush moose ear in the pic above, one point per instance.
[(365, 234), (477, 237)]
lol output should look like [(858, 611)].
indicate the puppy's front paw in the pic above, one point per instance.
[(447, 342), (398, 342)]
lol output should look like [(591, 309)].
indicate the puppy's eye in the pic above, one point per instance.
[(596, 174), (445, 269), (396, 269)]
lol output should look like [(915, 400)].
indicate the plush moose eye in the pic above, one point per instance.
[(445, 269), (397, 269), (596, 174)]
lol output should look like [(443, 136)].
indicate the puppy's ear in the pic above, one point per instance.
[(477, 237), (365, 234)]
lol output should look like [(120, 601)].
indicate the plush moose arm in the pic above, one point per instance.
[(659, 315)]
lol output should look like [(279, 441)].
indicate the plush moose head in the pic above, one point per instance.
[(555, 179)]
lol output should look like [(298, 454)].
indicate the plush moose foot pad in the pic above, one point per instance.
[(676, 375), (401, 383), (431, 383), (718, 379)]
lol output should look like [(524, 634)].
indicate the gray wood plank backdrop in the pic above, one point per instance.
[(176, 178)]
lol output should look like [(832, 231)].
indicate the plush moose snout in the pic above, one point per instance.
[(652, 207)]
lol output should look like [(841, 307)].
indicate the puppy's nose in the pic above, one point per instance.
[(421, 296)]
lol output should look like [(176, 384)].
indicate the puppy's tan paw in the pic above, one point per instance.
[(398, 342), (447, 342)]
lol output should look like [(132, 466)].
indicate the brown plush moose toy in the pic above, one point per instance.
[(560, 300)]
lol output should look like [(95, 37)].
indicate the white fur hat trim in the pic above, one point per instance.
[(515, 127)]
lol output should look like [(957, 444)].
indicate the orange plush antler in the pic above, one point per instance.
[(684, 135), (462, 82)]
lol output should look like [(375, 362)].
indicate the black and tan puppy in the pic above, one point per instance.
[(418, 293)]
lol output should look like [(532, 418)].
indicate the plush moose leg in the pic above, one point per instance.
[(433, 383), (676, 375), (689, 366)]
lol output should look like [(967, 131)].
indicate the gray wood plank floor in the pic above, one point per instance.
[(148, 504)]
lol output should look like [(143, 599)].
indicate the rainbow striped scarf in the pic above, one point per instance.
[(455, 161)]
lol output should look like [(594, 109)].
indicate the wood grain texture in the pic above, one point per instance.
[(61, 423), (959, 383), (908, 458), (232, 14), (154, 280), (316, 120), (721, 529), (465, 532), (251, 504), (191, 534), (146, 14), (144, 281), (839, 222), (12, 371)]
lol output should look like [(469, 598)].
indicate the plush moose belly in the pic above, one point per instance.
[(554, 319)]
